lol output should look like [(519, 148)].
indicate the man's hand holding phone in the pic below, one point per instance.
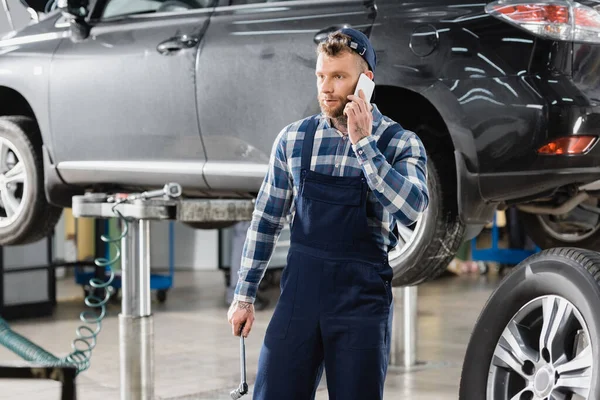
[(358, 111)]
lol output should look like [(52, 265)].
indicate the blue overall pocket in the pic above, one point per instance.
[(363, 293), (335, 211)]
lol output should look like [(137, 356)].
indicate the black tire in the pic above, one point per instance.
[(161, 296), (443, 231), (37, 218), (535, 230), (571, 273)]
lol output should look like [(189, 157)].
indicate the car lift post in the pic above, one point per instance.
[(404, 328), (136, 327)]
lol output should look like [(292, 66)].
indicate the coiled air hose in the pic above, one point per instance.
[(85, 341)]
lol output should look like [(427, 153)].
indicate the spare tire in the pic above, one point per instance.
[(538, 335)]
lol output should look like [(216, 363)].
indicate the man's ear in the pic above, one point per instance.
[(369, 73)]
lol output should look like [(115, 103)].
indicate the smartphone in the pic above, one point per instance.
[(367, 86)]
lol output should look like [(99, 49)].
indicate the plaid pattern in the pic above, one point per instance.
[(398, 191)]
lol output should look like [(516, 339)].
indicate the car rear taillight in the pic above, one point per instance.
[(572, 145), (557, 20)]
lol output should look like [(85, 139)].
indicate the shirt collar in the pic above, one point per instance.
[(377, 119)]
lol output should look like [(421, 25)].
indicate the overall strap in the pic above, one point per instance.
[(307, 143)]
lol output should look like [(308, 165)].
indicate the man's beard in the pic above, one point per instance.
[(336, 113)]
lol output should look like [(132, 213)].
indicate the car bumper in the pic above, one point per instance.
[(479, 194), (517, 186)]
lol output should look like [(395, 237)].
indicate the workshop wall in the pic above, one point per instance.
[(194, 248)]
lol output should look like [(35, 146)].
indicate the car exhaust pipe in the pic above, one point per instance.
[(564, 208)]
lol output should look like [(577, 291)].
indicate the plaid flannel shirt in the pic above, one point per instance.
[(398, 191)]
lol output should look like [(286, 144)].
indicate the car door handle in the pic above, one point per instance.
[(323, 33), (176, 43)]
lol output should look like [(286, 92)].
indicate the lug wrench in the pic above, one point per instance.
[(243, 388), (170, 190)]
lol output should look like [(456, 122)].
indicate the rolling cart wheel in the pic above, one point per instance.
[(161, 296), (483, 267)]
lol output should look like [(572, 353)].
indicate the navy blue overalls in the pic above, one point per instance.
[(335, 304)]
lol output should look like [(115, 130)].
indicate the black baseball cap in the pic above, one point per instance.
[(359, 42)]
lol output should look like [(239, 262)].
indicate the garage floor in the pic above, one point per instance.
[(196, 357)]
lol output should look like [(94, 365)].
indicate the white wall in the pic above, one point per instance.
[(194, 248)]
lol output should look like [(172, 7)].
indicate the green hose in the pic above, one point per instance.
[(85, 342), (24, 348)]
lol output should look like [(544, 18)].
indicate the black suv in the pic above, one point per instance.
[(130, 94)]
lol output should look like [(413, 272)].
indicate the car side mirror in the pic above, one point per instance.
[(76, 11)]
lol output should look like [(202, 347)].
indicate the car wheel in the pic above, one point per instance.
[(426, 248), (537, 336), (579, 228), (25, 215)]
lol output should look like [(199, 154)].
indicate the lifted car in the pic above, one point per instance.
[(130, 94)]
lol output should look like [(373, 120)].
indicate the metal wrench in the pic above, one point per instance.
[(243, 388), (170, 190)]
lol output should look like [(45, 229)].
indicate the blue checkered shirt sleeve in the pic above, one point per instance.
[(402, 187), (271, 208)]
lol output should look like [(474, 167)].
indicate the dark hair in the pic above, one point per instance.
[(336, 44)]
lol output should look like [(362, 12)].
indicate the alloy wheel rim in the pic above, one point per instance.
[(544, 353), (407, 237), (13, 183)]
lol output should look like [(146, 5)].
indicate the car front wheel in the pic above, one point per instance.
[(25, 215), (537, 337), (425, 249)]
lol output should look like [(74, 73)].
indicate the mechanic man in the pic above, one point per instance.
[(348, 175)]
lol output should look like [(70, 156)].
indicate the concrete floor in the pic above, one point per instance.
[(196, 357)]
